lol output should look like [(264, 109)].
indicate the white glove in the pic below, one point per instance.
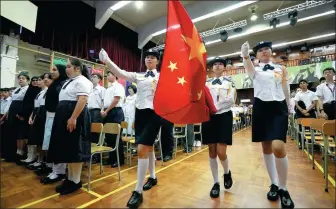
[(245, 49), (103, 56)]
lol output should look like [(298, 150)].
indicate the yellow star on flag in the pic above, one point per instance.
[(181, 80), (172, 66), (199, 95), (197, 48)]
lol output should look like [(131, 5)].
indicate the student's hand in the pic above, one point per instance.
[(103, 56), (304, 111), (103, 114), (245, 49), (19, 117), (324, 115), (307, 114), (30, 121), (71, 124)]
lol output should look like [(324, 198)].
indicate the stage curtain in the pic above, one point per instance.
[(69, 28)]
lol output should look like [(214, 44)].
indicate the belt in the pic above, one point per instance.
[(94, 109)]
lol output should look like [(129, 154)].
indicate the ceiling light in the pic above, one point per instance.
[(138, 4), (224, 35), (119, 5), (274, 53), (254, 17), (274, 22), (282, 44), (212, 14), (268, 28)]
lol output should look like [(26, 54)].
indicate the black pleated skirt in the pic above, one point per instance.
[(19, 129), (37, 129), (66, 147), (218, 129), (269, 120)]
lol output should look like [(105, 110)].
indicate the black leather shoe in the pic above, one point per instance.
[(272, 195), (61, 187), (286, 200), (47, 180), (71, 187), (189, 150), (228, 180), (115, 165), (135, 200), (214, 193), (42, 171), (167, 158), (150, 183)]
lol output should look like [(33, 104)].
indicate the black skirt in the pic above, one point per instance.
[(19, 129), (66, 147), (269, 120), (147, 126), (37, 129), (218, 129)]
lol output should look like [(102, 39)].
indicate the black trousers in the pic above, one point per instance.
[(116, 115), (95, 118), (167, 138), (330, 110)]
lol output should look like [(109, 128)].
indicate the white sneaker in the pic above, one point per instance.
[(198, 144)]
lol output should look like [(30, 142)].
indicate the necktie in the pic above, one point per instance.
[(268, 67), (17, 91), (217, 81), (150, 73), (64, 87)]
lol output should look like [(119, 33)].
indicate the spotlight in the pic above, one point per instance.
[(292, 15), (289, 50), (304, 48), (238, 30), (223, 36), (138, 4), (274, 22), (254, 17)]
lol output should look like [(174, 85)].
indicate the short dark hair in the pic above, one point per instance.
[(110, 72), (25, 74), (132, 87), (322, 79), (329, 68), (83, 68), (303, 80), (98, 75)]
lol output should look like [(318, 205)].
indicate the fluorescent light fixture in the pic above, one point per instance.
[(139, 4), (212, 14), (269, 28), (254, 17), (282, 44), (119, 5)]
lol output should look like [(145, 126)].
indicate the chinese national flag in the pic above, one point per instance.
[(180, 93)]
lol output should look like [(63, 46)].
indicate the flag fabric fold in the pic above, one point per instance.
[(180, 94)]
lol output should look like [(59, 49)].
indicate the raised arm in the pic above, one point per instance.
[(130, 76), (248, 65)]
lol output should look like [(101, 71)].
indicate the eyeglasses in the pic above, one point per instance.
[(34, 80)]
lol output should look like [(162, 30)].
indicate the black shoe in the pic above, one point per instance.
[(272, 195), (61, 187), (286, 200), (47, 180), (214, 193), (135, 200), (167, 158), (115, 165), (70, 187), (228, 180), (42, 171), (189, 150), (150, 183)]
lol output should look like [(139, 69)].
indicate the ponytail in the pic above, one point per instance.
[(83, 68), (85, 72)]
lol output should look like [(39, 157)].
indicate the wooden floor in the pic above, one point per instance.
[(182, 183)]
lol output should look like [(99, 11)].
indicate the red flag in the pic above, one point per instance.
[(179, 96)]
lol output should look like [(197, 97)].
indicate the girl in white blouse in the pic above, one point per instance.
[(270, 116), (70, 136), (129, 108)]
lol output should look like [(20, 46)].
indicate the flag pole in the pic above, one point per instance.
[(141, 57)]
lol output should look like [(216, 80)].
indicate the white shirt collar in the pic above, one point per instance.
[(154, 71)]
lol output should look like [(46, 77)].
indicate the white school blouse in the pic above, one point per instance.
[(146, 87), (268, 84), (222, 94), (19, 95), (115, 90), (78, 86)]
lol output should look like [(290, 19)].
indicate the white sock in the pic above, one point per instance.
[(49, 165), (214, 169), (141, 173), (282, 168), (17, 151), (225, 165), (33, 155), (151, 164), (59, 168), (70, 172), (39, 158), (270, 166), (29, 154), (76, 170)]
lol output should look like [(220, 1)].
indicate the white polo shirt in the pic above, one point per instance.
[(78, 86), (307, 97), (115, 90), (327, 92), (5, 103), (96, 98), (268, 84)]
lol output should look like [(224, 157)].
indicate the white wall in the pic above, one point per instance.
[(28, 60)]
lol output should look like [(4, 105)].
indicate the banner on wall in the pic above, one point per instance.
[(311, 73)]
